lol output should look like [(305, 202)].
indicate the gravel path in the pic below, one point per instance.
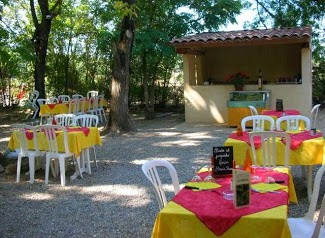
[(116, 200)]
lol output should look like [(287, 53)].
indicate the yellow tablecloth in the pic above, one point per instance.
[(77, 141), (310, 152), (174, 221), (62, 108)]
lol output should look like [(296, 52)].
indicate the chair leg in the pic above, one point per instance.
[(18, 168), (31, 169), (86, 160), (47, 169), (62, 171)]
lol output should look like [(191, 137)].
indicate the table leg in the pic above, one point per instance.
[(87, 160)]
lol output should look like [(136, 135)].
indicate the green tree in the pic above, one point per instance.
[(292, 13)]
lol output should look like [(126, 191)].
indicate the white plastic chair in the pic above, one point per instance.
[(42, 102), (93, 106), (293, 122), (100, 109), (268, 147), (305, 226), (74, 106), (92, 93), (253, 110), (64, 119), (53, 153), (314, 115), (87, 120), (32, 103), (21, 131), (258, 122), (82, 106), (149, 168), (64, 98)]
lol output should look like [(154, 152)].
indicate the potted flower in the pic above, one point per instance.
[(238, 79)]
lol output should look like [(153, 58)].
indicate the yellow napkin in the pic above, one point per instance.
[(203, 185), (265, 187)]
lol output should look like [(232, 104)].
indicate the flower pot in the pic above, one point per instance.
[(239, 87)]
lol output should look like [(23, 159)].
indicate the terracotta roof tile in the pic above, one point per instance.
[(244, 35)]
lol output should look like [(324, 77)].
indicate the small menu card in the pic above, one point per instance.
[(222, 161), (241, 188)]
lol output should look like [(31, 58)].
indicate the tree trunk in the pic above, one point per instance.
[(41, 35), (119, 119), (40, 39)]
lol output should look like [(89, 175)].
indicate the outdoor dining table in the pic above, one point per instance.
[(80, 139), (277, 114), (305, 149), (206, 213), (62, 108)]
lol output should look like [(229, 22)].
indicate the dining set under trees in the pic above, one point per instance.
[(120, 47)]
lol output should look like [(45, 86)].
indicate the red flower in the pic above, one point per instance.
[(238, 78)]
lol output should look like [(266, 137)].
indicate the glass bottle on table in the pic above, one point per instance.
[(239, 130)]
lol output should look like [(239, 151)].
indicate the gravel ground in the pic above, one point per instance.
[(116, 200)]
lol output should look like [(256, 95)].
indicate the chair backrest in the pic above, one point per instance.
[(33, 95), (64, 98), (42, 101), (24, 133), (314, 114), (92, 93), (53, 100), (269, 147), (77, 96), (51, 132), (259, 122), (293, 122), (86, 120), (253, 110), (320, 220), (149, 168), (64, 119)]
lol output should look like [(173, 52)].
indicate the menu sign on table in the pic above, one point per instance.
[(241, 188), (222, 161)]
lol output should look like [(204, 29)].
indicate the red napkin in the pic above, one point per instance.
[(245, 137), (29, 134), (298, 138), (280, 113), (219, 214), (51, 105), (85, 130)]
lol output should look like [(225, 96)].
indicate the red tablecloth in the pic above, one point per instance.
[(280, 113), (219, 214), (298, 138), (245, 137)]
